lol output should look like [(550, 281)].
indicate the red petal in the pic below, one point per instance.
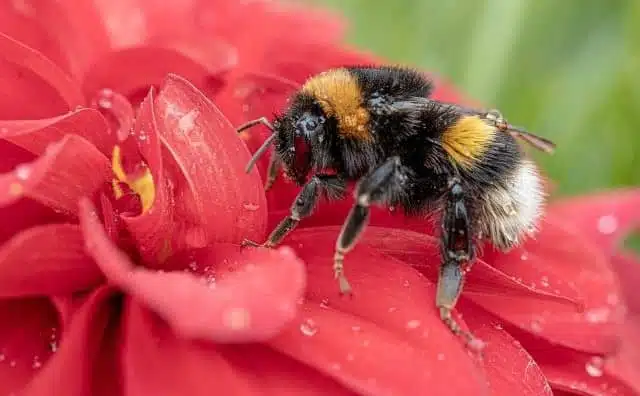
[(27, 329), (215, 194), (627, 267), (46, 260), (36, 135), (279, 374), (604, 218), (156, 362), (510, 368), (370, 360), (624, 364), (153, 229), (572, 268), (39, 89), (85, 361), (68, 170), (392, 315), (131, 70), (251, 304)]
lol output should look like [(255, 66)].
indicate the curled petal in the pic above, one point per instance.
[(154, 228), (573, 268), (28, 329), (70, 169), (250, 304), (39, 89), (604, 218), (221, 201), (85, 360), (46, 260), (36, 135)]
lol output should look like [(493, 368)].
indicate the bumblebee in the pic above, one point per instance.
[(377, 126)]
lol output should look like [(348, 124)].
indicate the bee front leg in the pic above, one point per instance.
[(381, 186), (331, 185), (457, 249)]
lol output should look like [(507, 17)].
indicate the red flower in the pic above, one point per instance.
[(121, 266)]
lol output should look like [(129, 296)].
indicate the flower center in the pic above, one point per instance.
[(139, 181)]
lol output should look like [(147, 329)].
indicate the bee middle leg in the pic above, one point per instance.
[(380, 186), (331, 185), (457, 249)]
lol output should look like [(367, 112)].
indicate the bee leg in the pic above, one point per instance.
[(331, 185), (380, 186), (457, 251), (272, 171)]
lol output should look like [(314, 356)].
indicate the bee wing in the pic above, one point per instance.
[(493, 117)]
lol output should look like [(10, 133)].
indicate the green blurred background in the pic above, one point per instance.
[(565, 69)]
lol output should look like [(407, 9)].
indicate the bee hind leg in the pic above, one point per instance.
[(457, 249), (331, 185), (380, 186)]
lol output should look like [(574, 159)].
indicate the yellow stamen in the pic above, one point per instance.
[(142, 185)]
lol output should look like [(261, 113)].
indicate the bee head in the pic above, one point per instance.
[(297, 133)]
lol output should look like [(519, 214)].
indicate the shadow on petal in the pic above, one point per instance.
[(85, 362)]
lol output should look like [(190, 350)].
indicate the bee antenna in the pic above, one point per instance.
[(252, 123), (259, 152), (536, 141)]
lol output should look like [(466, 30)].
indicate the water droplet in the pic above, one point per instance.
[(536, 325), (356, 329), (193, 266), (350, 357), (476, 345), (23, 172), (36, 362), (544, 281), (336, 366), (392, 309), (594, 366), (250, 206), (324, 303), (598, 315), (413, 324), (440, 356), (366, 343), (245, 108), (2, 357), (607, 224), (13, 363), (524, 256), (392, 209), (406, 283), (498, 326), (105, 98), (308, 328)]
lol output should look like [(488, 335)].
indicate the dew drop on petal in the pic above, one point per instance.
[(355, 329), (105, 98), (336, 366), (524, 256), (324, 303), (406, 283), (3, 357), (544, 281), (13, 363), (392, 309), (23, 171), (594, 366), (498, 326), (250, 206), (36, 362), (350, 357), (440, 356), (308, 328), (607, 224), (413, 324), (476, 345)]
